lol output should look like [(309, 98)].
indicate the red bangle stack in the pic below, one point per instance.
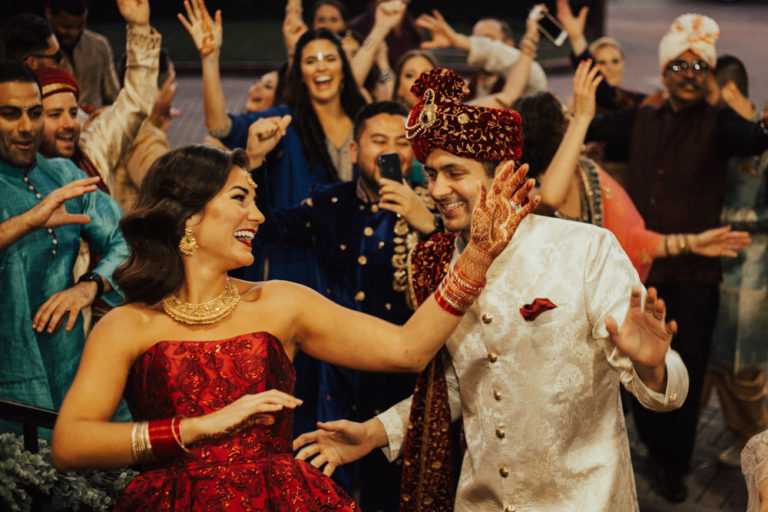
[(457, 292), (162, 437)]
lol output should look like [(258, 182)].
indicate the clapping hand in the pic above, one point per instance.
[(206, 33)]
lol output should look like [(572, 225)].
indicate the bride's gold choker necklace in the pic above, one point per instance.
[(206, 312)]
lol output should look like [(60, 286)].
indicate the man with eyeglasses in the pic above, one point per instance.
[(46, 206), (28, 37), (677, 154)]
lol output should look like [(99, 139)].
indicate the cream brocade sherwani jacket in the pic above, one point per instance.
[(540, 399), (110, 135)]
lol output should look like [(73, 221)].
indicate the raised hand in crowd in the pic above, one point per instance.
[(135, 12), (404, 201), (263, 136), (573, 25), (207, 33), (389, 14), (645, 336), (518, 76), (163, 111), (443, 35), (48, 213), (293, 26)]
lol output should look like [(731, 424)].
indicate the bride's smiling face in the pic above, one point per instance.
[(226, 227)]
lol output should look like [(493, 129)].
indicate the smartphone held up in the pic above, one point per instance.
[(389, 164), (548, 25)]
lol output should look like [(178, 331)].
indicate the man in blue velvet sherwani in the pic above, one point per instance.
[(360, 233), (46, 206)]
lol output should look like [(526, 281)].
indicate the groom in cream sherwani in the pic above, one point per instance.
[(534, 368)]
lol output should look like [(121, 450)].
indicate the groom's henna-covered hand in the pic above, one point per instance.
[(496, 218)]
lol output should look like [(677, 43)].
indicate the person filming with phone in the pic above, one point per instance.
[(360, 233)]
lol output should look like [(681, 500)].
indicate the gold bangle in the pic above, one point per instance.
[(177, 436), (666, 246), (141, 447)]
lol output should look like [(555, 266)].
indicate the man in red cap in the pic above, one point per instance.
[(534, 367), (98, 147)]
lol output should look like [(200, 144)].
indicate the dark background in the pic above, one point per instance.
[(252, 28)]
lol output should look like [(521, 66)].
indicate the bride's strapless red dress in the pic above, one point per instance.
[(253, 469)]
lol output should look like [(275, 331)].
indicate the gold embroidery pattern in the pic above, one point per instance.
[(439, 121)]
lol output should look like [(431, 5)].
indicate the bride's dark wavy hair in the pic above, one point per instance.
[(178, 185)]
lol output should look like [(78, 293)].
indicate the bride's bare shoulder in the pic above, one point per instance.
[(272, 290), (129, 325)]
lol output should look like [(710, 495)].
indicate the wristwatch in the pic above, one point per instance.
[(96, 278)]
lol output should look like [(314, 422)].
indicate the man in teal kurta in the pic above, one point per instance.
[(38, 250)]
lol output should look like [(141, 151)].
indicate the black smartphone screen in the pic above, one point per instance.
[(389, 163)]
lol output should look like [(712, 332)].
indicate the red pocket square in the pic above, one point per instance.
[(531, 311)]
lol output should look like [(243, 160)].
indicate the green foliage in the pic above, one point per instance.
[(24, 474)]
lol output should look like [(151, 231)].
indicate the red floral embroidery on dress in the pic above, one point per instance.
[(251, 470)]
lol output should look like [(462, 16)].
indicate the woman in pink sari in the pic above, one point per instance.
[(576, 188)]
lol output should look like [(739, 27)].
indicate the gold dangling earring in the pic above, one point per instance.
[(188, 243)]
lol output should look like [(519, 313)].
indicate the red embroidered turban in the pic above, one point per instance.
[(439, 121), (56, 80)]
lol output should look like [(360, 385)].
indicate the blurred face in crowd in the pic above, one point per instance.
[(412, 69), (611, 63), (62, 129), (491, 29), (328, 16), (67, 27), (21, 122), (454, 184), (51, 56), (383, 133), (261, 94), (686, 79), (322, 70)]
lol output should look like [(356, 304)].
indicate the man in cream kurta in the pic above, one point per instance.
[(540, 399), (538, 394)]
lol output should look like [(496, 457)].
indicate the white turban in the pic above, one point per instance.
[(694, 32)]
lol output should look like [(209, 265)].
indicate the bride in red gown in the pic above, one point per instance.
[(204, 361)]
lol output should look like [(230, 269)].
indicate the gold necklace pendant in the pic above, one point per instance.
[(206, 312)]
